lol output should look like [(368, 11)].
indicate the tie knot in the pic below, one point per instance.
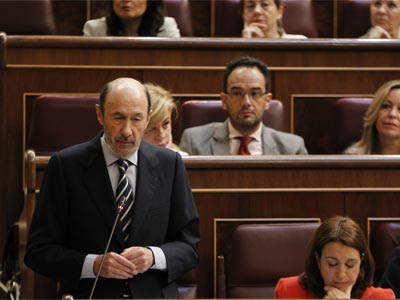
[(245, 140), (124, 164)]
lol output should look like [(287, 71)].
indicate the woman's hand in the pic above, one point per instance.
[(377, 32), (254, 30), (335, 293)]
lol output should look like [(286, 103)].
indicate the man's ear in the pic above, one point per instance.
[(99, 115), (224, 98), (268, 98)]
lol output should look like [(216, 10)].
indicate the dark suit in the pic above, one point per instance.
[(76, 210), (391, 277)]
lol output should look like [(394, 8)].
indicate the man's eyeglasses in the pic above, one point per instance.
[(240, 94)]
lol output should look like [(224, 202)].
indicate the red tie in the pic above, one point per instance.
[(244, 142)]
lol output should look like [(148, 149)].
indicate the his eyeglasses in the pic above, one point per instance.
[(240, 94)]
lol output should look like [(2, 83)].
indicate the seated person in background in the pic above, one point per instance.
[(381, 133), (158, 131), (263, 19), (385, 20), (391, 277), (246, 96), (339, 265), (133, 18)]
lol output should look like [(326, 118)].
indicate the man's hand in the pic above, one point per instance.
[(141, 257), (114, 266), (254, 30), (335, 293)]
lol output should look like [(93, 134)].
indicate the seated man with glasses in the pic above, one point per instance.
[(246, 96)]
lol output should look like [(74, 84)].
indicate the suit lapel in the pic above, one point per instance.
[(145, 185), (97, 182), (220, 144), (268, 143)]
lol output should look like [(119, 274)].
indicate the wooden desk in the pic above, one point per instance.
[(288, 187)]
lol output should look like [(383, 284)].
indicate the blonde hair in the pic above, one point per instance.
[(369, 142), (162, 104)]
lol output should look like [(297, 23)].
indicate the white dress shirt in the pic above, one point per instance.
[(255, 146)]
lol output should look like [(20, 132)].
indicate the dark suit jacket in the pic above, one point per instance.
[(76, 210), (391, 277)]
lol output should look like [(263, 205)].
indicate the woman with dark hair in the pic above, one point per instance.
[(133, 18), (339, 265), (263, 19)]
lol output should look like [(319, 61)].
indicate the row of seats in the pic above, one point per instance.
[(260, 254), (298, 18), (36, 17), (51, 127)]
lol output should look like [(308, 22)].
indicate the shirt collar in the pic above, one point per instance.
[(233, 133), (111, 158)]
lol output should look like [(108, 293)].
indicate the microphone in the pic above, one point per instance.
[(120, 207)]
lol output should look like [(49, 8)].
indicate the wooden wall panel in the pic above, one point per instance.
[(201, 18), (324, 16), (6, 212), (363, 205), (69, 16)]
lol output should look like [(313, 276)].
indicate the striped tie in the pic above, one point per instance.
[(124, 189)]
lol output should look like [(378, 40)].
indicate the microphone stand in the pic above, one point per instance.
[(120, 207)]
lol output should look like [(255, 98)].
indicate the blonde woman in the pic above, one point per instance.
[(381, 133), (159, 130)]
